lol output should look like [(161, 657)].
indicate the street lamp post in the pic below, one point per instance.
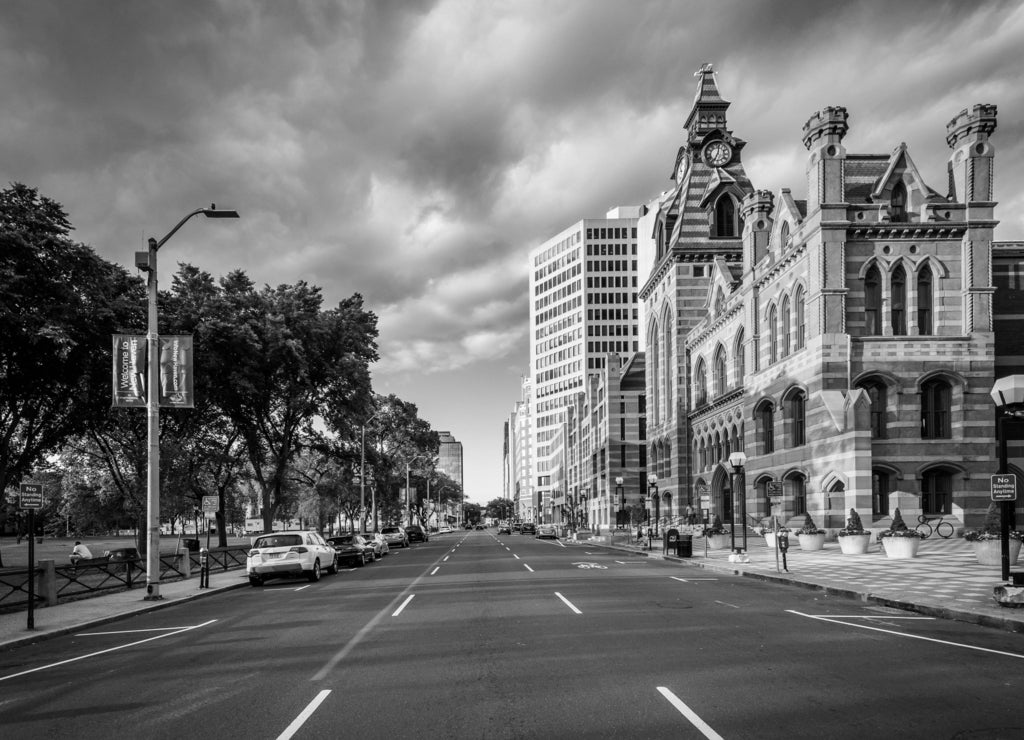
[(652, 500), (1008, 394), (621, 493), (362, 475), (738, 460), (147, 262)]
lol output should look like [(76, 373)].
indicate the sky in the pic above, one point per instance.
[(415, 152)]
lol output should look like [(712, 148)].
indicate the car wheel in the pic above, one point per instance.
[(255, 581), (314, 575), (333, 569)]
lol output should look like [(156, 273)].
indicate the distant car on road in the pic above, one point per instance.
[(546, 531), (416, 533), (529, 528), (352, 548), (504, 529), (376, 541), (395, 536), (282, 554)]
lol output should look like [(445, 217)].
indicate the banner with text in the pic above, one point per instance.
[(129, 370), (176, 380)]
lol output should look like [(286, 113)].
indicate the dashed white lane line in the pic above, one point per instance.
[(688, 580), (567, 603), (528, 567), (304, 715), (445, 560), (435, 570), (404, 604), (701, 725), (726, 603), (108, 650), (515, 556)]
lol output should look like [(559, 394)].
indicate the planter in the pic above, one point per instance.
[(811, 541), (719, 541), (770, 540), (901, 548), (855, 544), (990, 552)]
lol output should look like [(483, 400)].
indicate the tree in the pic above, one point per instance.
[(472, 513), (59, 305)]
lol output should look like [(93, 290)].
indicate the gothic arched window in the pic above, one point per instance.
[(725, 216), (872, 302), (899, 301), (924, 301)]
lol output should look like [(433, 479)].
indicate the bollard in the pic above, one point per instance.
[(204, 568)]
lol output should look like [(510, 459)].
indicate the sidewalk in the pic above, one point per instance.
[(74, 616), (944, 580)]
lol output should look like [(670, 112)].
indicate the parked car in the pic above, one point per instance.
[(444, 530), (352, 548), (546, 531), (377, 542), (281, 554), (395, 536), (416, 533), (504, 529), (529, 528)]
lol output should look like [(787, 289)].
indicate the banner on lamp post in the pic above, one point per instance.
[(129, 381), (177, 389)]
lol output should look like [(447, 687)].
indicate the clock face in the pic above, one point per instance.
[(717, 153)]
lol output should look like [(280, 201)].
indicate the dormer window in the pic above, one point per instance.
[(784, 235), (899, 202), (725, 217), (719, 301)]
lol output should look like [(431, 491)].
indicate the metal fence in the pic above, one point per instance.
[(57, 583)]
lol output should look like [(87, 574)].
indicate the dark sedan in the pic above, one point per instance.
[(417, 533), (352, 548)]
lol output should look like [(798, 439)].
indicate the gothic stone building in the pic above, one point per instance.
[(850, 353)]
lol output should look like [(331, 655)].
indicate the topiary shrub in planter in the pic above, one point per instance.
[(718, 536), (898, 541), (811, 538), (988, 541), (853, 538)]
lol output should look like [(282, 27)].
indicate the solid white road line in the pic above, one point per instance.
[(130, 632), (567, 603), (301, 587), (726, 603), (435, 570), (687, 580), (304, 715), (528, 567), (824, 618), (404, 604), (684, 710), (108, 650)]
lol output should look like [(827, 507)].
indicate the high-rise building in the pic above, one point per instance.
[(449, 457), (583, 305)]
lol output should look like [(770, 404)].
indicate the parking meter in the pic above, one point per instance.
[(204, 567), (783, 543)]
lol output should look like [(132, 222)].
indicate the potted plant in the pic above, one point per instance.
[(898, 541), (718, 536), (853, 538), (811, 538), (771, 535), (988, 541)]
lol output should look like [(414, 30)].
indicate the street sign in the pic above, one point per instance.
[(1004, 487), (31, 495), (210, 506), (774, 488), (705, 502)]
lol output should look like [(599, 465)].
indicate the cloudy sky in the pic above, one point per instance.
[(415, 152)]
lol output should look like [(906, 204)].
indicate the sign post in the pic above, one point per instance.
[(210, 506), (31, 498)]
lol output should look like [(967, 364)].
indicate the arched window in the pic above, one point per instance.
[(801, 319), (924, 301), (797, 404), (881, 487), (700, 384), (669, 364), (878, 394), (739, 360), (718, 448), (899, 301), (937, 492), (720, 371), (936, 398), (773, 330), (668, 460), (725, 216), (719, 301), (766, 426), (655, 375), (784, 235), (872, 302), (798, 489), (899, 202), (787, 328)]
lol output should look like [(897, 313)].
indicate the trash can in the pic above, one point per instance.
[(684, 546), (191, 544)]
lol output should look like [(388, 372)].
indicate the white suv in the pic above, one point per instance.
[(289, 554)]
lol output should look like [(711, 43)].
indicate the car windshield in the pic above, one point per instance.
[(279, 540), (391, 530), (343, 540)]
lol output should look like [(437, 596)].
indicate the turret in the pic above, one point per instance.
[(757, 226), (971, 164), (823, 137)]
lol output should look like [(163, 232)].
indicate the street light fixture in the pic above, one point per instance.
[(738, 460), (147, 262), (652, 500), (1008, 395)]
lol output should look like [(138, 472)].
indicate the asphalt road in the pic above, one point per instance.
[(477, 636)]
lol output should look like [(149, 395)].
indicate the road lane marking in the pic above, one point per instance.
[(515, 556), (726, 603), (445, 559), (404, 604), (833, 620), (304, 715), (129, 632), (687, 580), (108, 650), (302, 587), (628, 562), (568, 603), (435, 570), (691, 715), (528, 567)]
